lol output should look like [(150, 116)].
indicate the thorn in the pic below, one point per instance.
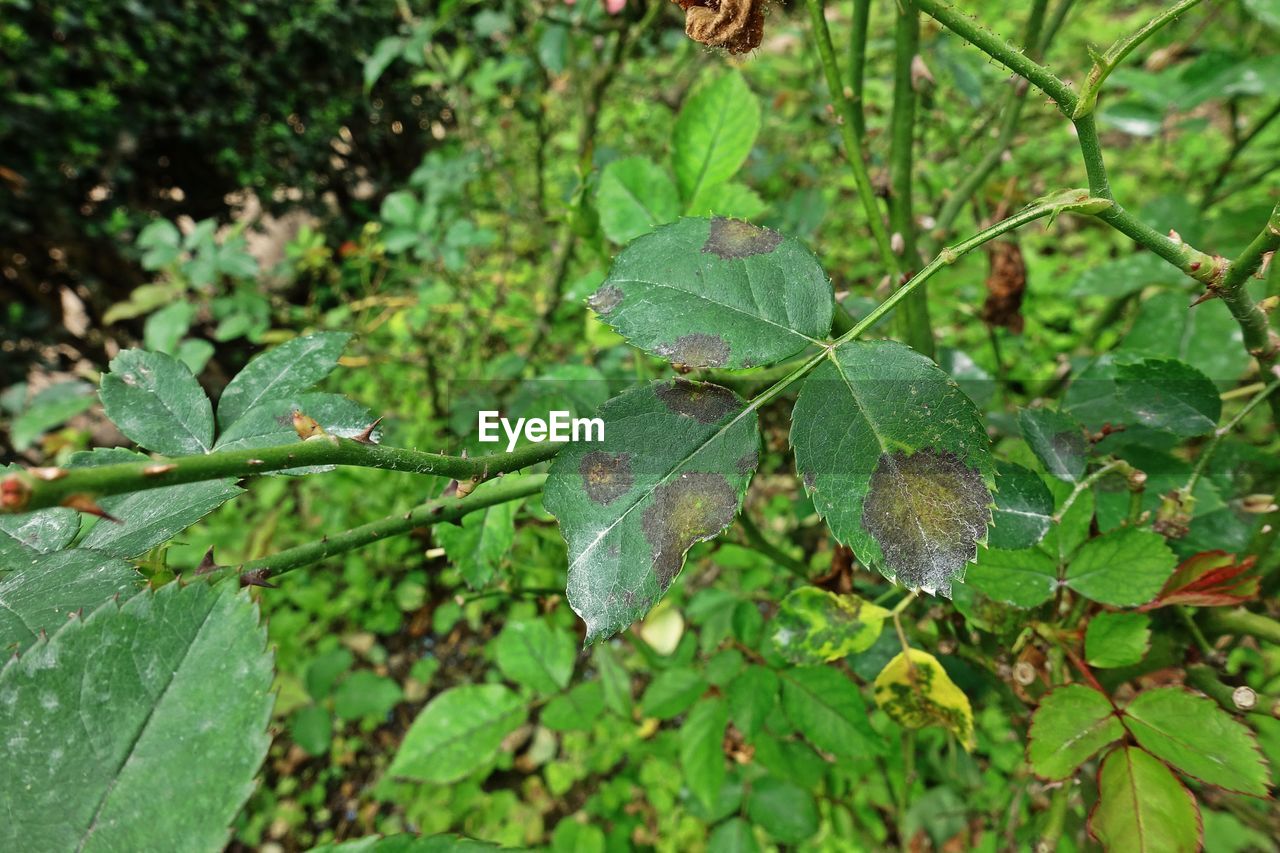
[(451, 489), (157, 470), (14, 493), (257, 577), (306, 427), (1210, 293), (42, 635), (255, 462), (85, 503), (207, 564), (466, 487), (1175, 236), (366, 437), (47, 474)]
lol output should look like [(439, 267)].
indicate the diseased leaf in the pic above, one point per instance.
[(287, 370), (1072, 723), (530, 652), (38, 594), (896, 461), (112, 708), (1207, 579), (1057, 440), (1194, 734), (1024, 508), (156, 402), (716, 293), (671, 471), (148, 518), (635, 196), (714, 133), (1117, 639), (478, 543), (1142, 807), (1024, 578), (827, 709), (916, 691), (458, 732), (1124, 568), (701, 750), (816, 626)]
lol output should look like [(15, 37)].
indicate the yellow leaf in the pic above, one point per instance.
[(916, 691)]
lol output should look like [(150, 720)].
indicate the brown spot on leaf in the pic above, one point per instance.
[(691, 509), (735, 25), (605, 299), (927, 512), (733, 238), (606, 476), (705, 403), (696, 350), (748, 462)]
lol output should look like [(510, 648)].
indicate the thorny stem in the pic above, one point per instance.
[(50, 487), (1241, 621), (1253, 322), (425, 515), (1222, 432)]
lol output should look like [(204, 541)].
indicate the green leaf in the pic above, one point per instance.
[(52, 407), (1142, 807), (39, 593), (1124, 568), (270, 423), (1072, 723), (1206, 336), (785, 810), (365, 694), (24, 535), (1169, 395), (916, 691), (1057, 440), (671, 471), (896, 460), (156, 402), (312, 729), (148, 518), (1024, 578), (716, 293), (1194, 734), (730, 199), (635, 196), (732, 836), (1024, 508), (702, 749), (289, 369), (828, 710), (1126, 275), (111, 710), (458, 732), (531, 653), (165, 328), (1266, 11), (752, 695), (477, 545), (672, 692), (576, 710), (1117, 639), (714, 133), (816, 626)]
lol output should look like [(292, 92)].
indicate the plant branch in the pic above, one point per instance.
[(858, 63), (1241, 621), (1258, 337), (49, 487), (1224, 168)]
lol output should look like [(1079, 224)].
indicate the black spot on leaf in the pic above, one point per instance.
[(606, 476), (747, 462), (691, 509), (696, 350), (605, 299), (733, 238), (927, 512), (702, 401)]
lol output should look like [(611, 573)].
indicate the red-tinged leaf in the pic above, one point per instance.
[(1209, 579)]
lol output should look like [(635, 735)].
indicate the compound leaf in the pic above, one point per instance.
[(1124, 568), (156, 402), (1142, 807), (112, 708), (1072, 723), (672, 470), (1194, 734), (458, 732), (716, 293), (815, 626), (288, 369), (895, 458), (916, 691)]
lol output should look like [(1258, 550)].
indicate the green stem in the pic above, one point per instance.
[(49, 487), (1196, 634), (849, 132), (1241, 621), (429, 513), (858, 63), (1258, 337), (758, 541), (1088, 482), (1107, 62), (916, 329), (1056, 818), (1205, 679)]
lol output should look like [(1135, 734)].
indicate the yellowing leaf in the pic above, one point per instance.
[(815, 626), (916, 691)]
